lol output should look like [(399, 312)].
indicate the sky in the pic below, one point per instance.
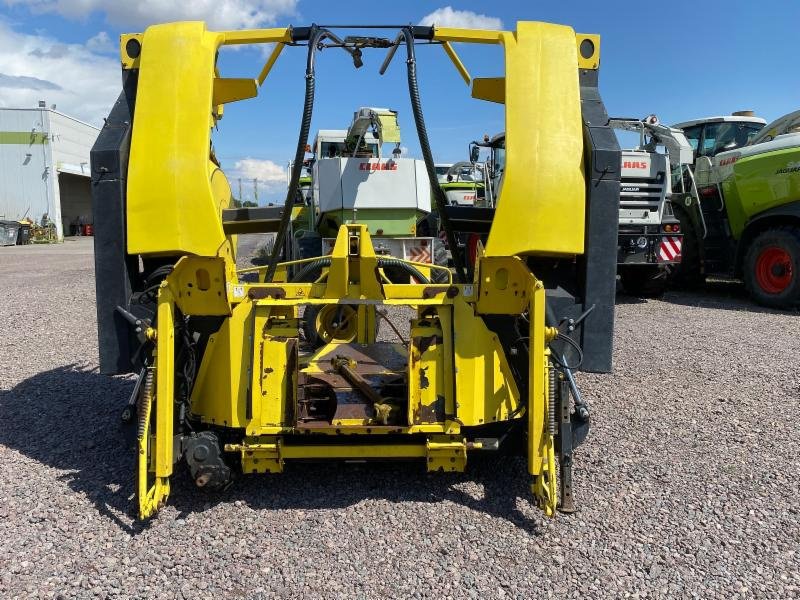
[(679, 60)]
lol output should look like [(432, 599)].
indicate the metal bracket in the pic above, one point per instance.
[(446, 453), (261, 456), (566, 503)]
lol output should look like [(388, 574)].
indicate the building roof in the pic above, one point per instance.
[(51, 110)]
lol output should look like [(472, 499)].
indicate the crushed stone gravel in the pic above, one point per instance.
[(688, 485)]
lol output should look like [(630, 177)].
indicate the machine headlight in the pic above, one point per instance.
[(642, 242)]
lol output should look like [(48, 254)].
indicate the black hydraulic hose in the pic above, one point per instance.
[(315, 36), (410, 269), (383, 262), (422, 133), (308, 268)]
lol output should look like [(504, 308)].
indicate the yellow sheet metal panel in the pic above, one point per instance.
[(426, 376), (485, 388), (445, 314), (129, 50), (588, 45), (504, 285), (165, 382), (275, 361), (491, 89), (172, 208), (198, 285), (220, 389), (543, 181), (232, 89)]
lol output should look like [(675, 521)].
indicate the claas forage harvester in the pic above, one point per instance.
[(226, 383)]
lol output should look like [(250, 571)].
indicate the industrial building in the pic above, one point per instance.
[(44, 168)]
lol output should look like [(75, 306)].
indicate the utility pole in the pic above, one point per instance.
[(240, 190), (255, 189)]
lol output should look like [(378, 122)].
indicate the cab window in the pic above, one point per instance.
[(720, 137), (693, 135), (498, 165)]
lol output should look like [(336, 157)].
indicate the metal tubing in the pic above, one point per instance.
[(390, 54), (276, 52), (462, 70)]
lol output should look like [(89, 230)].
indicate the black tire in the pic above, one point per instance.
[(771, 268), (687, 274), (643, 280), (439, 258)]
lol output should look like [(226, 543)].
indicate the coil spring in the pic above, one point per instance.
[(551, 404), (143, 405)]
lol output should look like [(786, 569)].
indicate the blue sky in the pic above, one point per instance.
[(679, 60)]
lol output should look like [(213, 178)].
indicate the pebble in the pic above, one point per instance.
[(675, 497)]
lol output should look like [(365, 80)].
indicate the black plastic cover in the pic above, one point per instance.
[(115, 271)]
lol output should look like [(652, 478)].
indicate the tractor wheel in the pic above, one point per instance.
[(643, 280), (687, 274), (772, 267), (439, 258)]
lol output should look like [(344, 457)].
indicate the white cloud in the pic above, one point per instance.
[(100, 43), (219, 14), (82, 83), (463, 19), (271, 174)]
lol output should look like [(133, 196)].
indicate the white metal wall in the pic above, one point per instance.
[(29, 167), (72, 141), (25, 183)]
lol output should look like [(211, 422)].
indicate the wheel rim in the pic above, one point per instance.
[(774, 270), (337, 323)]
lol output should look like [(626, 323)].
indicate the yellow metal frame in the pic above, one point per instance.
[(248, 377)]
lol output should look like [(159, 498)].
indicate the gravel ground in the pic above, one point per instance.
[(687, 486)]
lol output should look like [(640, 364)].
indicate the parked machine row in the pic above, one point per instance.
[(714, 197)]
